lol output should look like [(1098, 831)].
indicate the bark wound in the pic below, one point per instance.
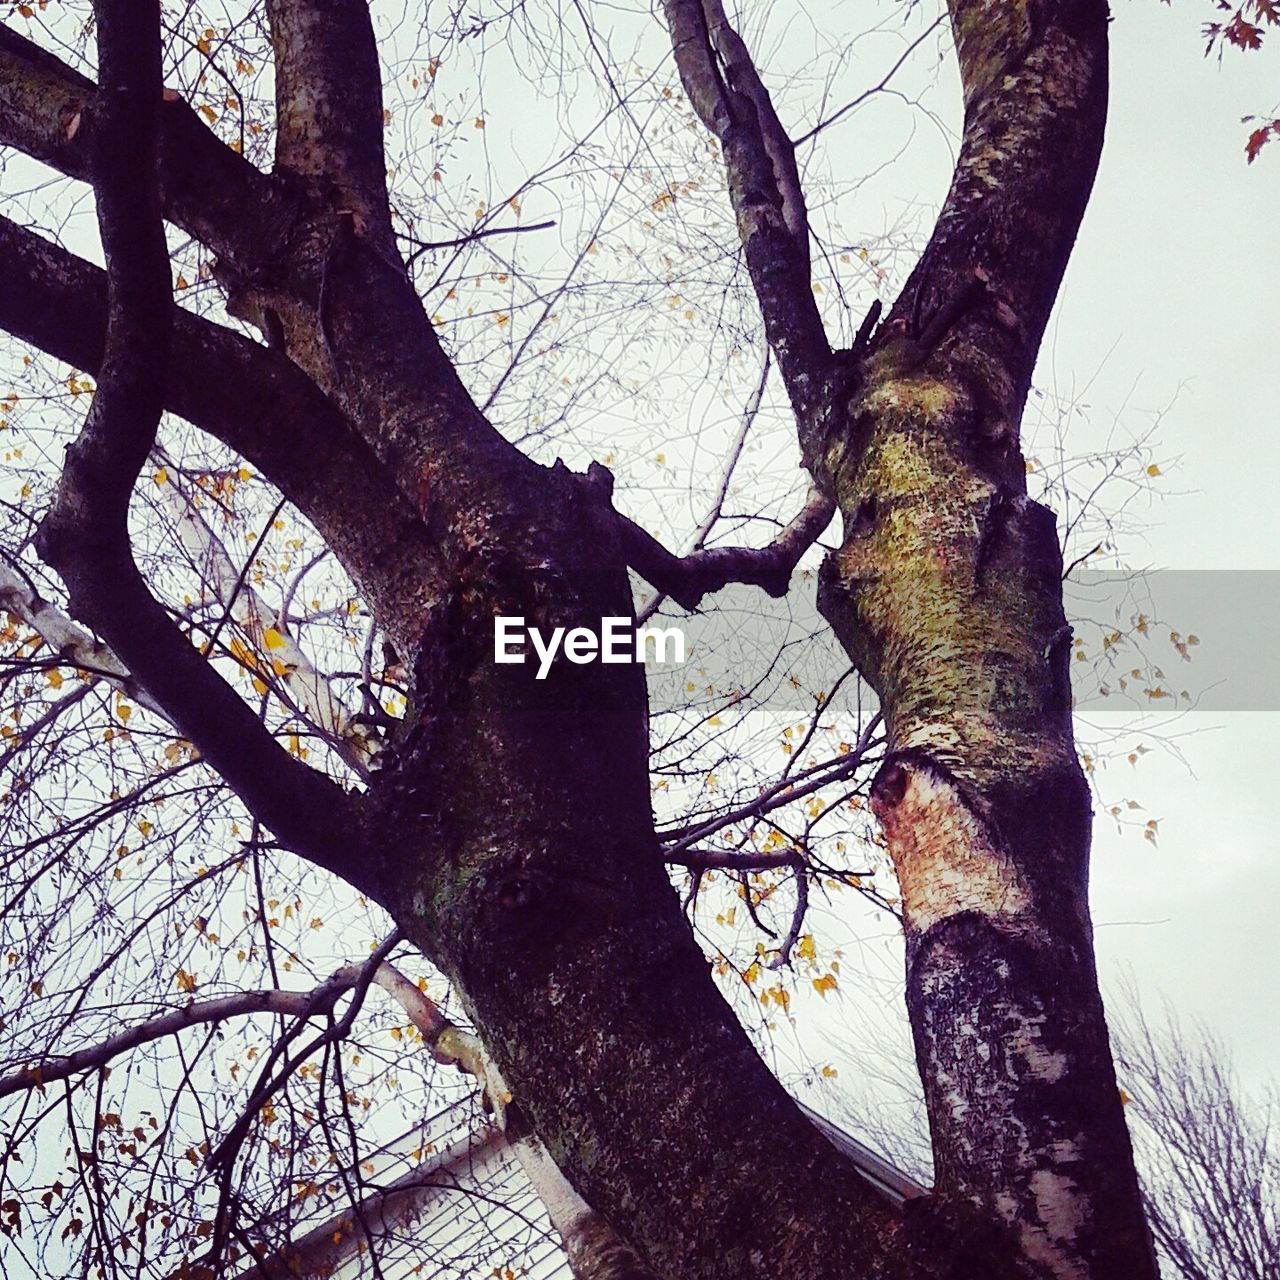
[(944, 857)]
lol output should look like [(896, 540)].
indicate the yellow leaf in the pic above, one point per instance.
[(274, 639), (824, 984), (145, 827), (437, 120), (209, 113), (161, 476), (1153, 470), (54, 677), (186, 981)]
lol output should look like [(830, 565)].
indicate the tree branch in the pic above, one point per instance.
[(349, 312), (85, 537), (592, 1245), (764, 185), (223, 1156), (423, 246), (257, 403), (687, 579), (49, 111), (66, 640), (287, 662), (783, 792), (329, 102), (836, 116), (703, 531), (983, 288), (266, 230), (298, 1004)]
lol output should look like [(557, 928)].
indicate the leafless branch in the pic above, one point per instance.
[(298, 1004), (85, 534), (730, 98), (836, 116), (422, 246), (687, 579), (782, 792)]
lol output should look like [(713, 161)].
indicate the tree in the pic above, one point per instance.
[(1211, 1171), (504, 822), (1245, 29), (1205, 1147)]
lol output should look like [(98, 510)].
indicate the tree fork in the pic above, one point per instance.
[(947, 594)]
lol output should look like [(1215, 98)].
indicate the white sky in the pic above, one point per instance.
[(1171, 300)]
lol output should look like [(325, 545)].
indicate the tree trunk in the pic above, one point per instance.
[(539, 887), (947, 594)]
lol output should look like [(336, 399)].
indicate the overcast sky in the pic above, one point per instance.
[(1171, 301)]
